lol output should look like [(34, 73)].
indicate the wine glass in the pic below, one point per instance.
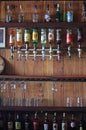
[(12, 91), (3, 93)]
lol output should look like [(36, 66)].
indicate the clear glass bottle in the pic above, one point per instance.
[(21, 14), (8, 14), (35, 16), (47, 16)]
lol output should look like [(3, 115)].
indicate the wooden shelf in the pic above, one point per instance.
[(42, 109), (43, 78), (43, 24)]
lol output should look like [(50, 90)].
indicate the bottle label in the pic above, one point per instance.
[(55, 126), (43, 38), (81, 128), (50, 36), (47, 18), (64, 126), (69, 38), (69, 16), (10, 125), (27, 37), (35, 37), (19, 37), (35, 124), (72, 124), (18, 125), (45, 126), (26, 126)]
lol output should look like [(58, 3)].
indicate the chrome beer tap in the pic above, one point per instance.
[(43, 42), (79, 39), (58, 42), (51, 41)]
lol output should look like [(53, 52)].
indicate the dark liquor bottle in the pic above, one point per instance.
[(81, 123), (72, 123), (55, 122), (18, 123), (10, 122), (1, 122), (64, 123), (58, 13), (35, 122), (46, 123), (27, 122)]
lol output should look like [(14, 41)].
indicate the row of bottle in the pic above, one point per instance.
[(46, 36), (25, 121), (60, 15)]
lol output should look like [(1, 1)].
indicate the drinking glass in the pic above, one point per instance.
[(23, 87), (3, 90), (12, 91), (79, 102)]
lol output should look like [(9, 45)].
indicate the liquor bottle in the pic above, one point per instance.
[(46, 123), (47, 16), (8, 15), (1, 122), (72, 123), (35, 16), (81, 123), (26, 41), (69, 13), (21, 14), (43, 41), (11, 44), (18, 123), (64, 123), (58, 13), (27, 122), (55, 122), (34, 40), (35, 122), (83, 15), (9, 122)]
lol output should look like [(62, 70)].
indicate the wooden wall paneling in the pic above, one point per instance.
[(58, 67), (84, 94), (2, 10), (19, 66), (10, 64), (58, 94), (69, 66)]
